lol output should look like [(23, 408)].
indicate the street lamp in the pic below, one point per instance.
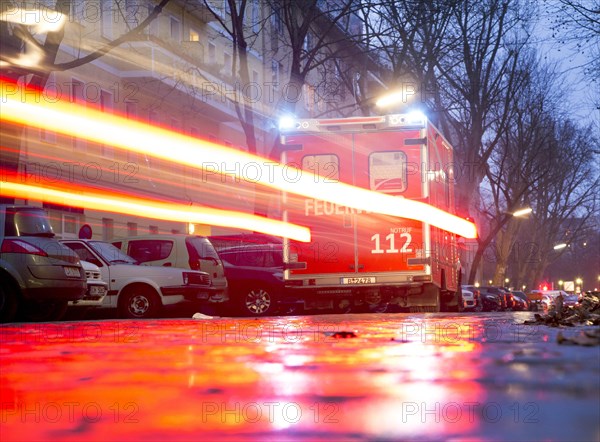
[(523, 212), (560, 246), (404, 95)]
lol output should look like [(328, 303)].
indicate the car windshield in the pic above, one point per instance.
[(27, 222), (111, 254)]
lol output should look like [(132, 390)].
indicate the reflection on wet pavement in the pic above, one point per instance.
[(401, 377)]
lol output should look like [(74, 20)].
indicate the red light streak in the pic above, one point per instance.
[(112, 202), (28, 108)]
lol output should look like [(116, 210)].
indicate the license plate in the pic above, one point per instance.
[(202, 296), (359, 280), (72, 271), (97, 290)]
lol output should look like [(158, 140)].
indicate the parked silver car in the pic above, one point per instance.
[(38, 275)]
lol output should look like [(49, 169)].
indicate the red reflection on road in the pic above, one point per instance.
[(268, 378)]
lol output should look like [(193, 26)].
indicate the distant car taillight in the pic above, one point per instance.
[(20, 246)]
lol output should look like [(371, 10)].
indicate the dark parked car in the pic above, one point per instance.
[(493, 298), (38, 275), (255, 276), (521, 301)]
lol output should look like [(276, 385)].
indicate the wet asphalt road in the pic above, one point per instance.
[(324, 377)]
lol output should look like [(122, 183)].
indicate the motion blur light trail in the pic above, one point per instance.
[(156, 209), (29, 108)]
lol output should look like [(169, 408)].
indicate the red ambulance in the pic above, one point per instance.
[(360, 257)]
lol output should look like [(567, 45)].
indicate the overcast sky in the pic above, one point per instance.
[(581, 92)]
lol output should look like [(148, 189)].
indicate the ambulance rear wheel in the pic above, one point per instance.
[(342, 306), (431, 298)]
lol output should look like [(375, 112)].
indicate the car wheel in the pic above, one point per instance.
[(8, 302), (138, 302), (257, 301), (43, 311)]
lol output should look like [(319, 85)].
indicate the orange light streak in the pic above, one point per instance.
[(29, 108), (156, 209)]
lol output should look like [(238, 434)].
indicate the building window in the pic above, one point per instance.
[(77, 92), (132, 229), (106, 10), (309, 97), (175, 29), (152, 28), (227, 66), (194, 35), (308, 42), (255, 11), (77, 11), (108, 229), (131, 112), (107, 105), (131, 12), (212, 53), (77, 96), (276, 22), (275, 72), (48, 136), (69, 226)]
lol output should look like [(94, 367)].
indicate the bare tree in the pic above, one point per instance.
[(577, 22), (410, 37), (314, 32), (518, 163), (479, 77), (565, 200)]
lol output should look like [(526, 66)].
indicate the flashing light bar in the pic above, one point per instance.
[(343, 121), (27, 108)]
